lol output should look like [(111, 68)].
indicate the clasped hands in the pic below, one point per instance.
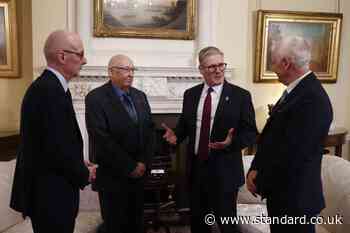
[(92, 170), (171, 138), (139, 171)]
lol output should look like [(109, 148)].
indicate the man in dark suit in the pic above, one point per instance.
[(218, 119), (50, 168), (121, 130), (287, 166)]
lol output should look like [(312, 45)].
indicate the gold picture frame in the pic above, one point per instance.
[(167, 19), (321, 29), (8, 40)]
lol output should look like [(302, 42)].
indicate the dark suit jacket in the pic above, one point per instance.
[(117, 143), (235, 110), (50, 168), (288, 158)]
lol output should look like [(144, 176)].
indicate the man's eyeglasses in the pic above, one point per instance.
[(212, 68), (124, 68), (79, 54)]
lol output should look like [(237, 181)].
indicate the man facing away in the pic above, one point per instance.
[(218, 119), (121, 132), (287, 166), (50, 168)]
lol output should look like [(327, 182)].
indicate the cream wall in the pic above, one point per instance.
[(12, 89), (48, 16), (235, 33)]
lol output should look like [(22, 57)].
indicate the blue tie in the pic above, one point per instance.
[(129, 107)]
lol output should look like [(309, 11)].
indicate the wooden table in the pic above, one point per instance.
[(336, 138), (9, 141)]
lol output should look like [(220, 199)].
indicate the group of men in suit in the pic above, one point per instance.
[(217, 118)]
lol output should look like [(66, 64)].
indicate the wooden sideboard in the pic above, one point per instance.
[(9, 141), (336, 138)]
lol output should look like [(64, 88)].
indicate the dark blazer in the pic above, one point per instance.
[(235, 110), (117, 142), (288, 158), (50, 167)]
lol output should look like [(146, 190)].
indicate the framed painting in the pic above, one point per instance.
[(164, 19), (321, 30), (8, 39)]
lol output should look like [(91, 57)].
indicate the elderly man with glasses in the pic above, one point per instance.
[(219, 121), (121, 134), (50, 168)]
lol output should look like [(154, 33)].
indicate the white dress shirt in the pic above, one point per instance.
[(215, 97)]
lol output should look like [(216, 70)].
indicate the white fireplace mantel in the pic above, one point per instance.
[(164, 87)]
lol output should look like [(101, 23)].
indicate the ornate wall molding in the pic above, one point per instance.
[(164, 87)]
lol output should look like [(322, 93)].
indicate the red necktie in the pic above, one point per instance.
[(203, 149)]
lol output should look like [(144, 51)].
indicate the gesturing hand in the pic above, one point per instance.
[(223, 144), (169, 135), (251, 181)]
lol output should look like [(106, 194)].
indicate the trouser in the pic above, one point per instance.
[(123, 208), (276, 207), (205, 200)]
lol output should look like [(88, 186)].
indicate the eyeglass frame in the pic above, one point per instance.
[(212, 68), (79, 54), (124, 68)]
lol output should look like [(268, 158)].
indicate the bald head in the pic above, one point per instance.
[(64, 52), (121, 71), (119, 60), (60, 40)]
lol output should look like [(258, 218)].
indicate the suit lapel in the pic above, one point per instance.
[(224, 97), (196, 95)]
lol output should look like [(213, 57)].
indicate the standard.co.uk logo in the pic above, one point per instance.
[(210, 220)]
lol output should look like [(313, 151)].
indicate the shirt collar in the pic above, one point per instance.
[(217, 88), (60, 77), (118, 91), (293, 84)]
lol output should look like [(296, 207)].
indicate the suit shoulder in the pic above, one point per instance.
[(238, 90), (138, 92), (97, 92), (193, 89), (315, 88), (43, 85)]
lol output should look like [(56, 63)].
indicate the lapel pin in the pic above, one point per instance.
[(226, 98)]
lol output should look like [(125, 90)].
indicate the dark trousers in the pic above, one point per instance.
[(277, 207), (45, 224), (123, 208), (204, 199)]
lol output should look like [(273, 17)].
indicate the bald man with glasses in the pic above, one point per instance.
[(50, 168), (219, 121), (121, 135)]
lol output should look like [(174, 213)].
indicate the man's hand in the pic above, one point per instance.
[(251, 181), (169, 135), (92, 170), (223, 144), (139, 170)]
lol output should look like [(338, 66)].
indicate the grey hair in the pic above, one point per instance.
[(208, 51), (297, 49)]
